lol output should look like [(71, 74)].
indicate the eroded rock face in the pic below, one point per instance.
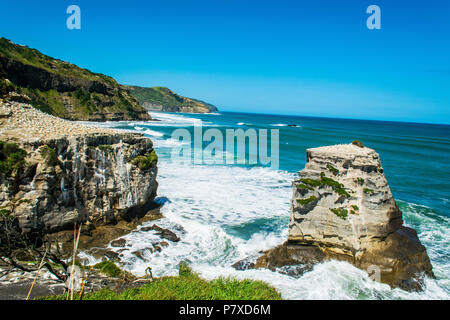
[(342, 199), (87, 178), (342, 204)]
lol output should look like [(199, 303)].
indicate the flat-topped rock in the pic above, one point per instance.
[(342, 205), (22, 122), (67, 172)]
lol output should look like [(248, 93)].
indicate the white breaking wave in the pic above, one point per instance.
[(153, 133), (204, 199), (279, 125)]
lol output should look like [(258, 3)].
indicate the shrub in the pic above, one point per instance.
[(49, 155), (340, 212), (11, 158), (5, 213), (146, 162), (358, 143), (304, 187), (109, 268), (5, 87), (184, 269), (306, 201), (311, 182), (83, 95), (106, 148), (332, 169)]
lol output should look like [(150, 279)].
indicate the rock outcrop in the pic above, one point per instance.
[(55, 172), (343, 208)]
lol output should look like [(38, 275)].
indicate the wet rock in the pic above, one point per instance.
[(102, 253), (244, 264), (165, 233), (119, 243), (139, 254)]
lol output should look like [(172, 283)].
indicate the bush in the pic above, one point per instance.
[(184, 269), (332, 169), (11, 158), (358, 143), (146, 162), (306, 201), (5, 87), (106, 148), (109, 268), (340, 212), (83, 95), (49, 155), (304, 187)]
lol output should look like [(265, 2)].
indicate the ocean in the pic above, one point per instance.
[(224, 213)]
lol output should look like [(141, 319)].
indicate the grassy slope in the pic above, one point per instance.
[(37, 59), (169, 100), (187, 286), (83, 104)]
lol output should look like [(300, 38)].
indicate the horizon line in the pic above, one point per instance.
[(336, 117)]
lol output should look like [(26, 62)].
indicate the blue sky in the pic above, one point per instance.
[(287, 57)]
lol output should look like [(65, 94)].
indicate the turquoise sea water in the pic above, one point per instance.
[(224, 213)]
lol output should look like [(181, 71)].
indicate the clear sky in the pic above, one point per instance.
[(287, 57)]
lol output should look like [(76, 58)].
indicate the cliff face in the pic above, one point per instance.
[(65, 90), (62, 172), (163, 99), (342, 208)]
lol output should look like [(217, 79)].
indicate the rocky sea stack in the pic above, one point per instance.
[(342, 208)]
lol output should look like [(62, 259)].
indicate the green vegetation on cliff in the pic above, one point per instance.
[(340, 212), (63, 89), (146, 162), (306, 201), (325, 181), (11, 158), (163, 99)]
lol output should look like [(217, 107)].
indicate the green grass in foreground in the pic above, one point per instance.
[(189, 286)]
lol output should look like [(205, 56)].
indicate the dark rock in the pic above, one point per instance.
[(165, 233), (139, 254), (289, 255), (244, 264), (120, 243)]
